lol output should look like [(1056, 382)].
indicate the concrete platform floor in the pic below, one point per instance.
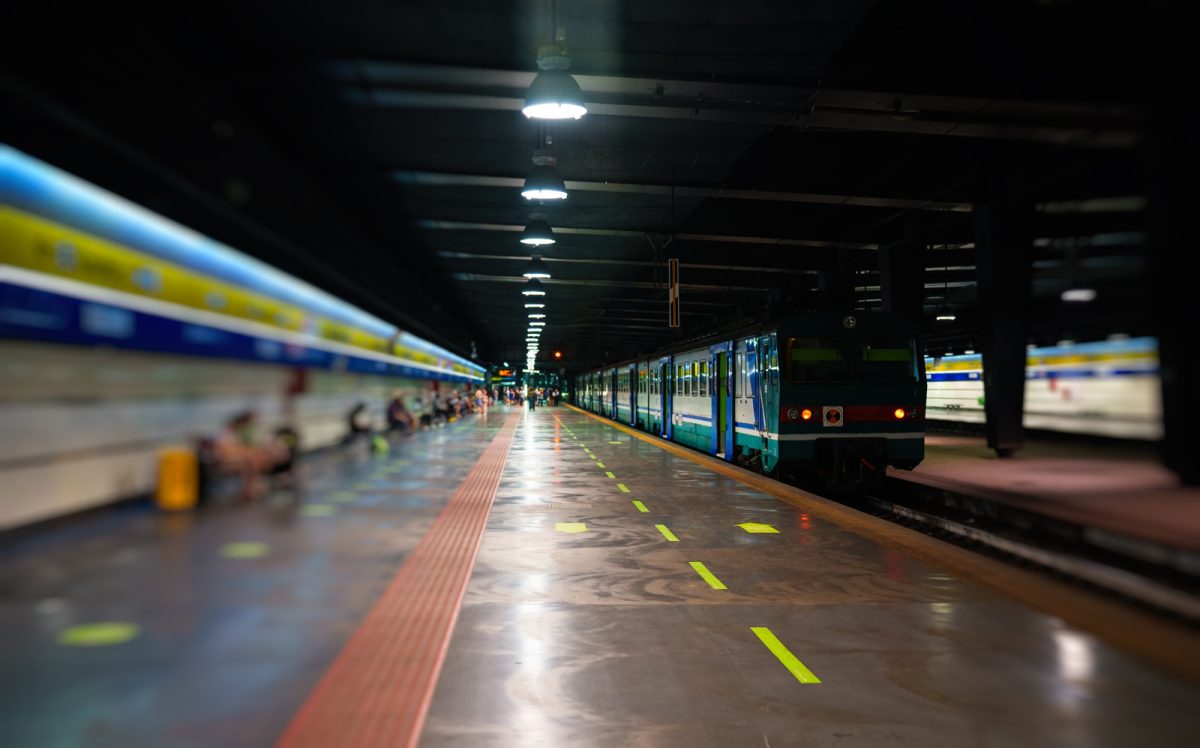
[(582, 624), (1118, 487)]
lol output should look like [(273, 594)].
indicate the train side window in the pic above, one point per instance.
[(703, 379)]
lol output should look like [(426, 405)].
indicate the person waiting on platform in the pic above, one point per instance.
[(237, 452), (398, 417)]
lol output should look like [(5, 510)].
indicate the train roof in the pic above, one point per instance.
[(812, 323)]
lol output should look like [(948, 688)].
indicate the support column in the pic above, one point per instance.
[(902, 278), (1003, 258), (1174, 205), (835, 281)]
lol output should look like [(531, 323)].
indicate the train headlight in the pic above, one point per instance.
[(806, 414), (899, 413), (793, 414)]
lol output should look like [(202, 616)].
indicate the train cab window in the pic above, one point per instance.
[(818, 360), (886, 360)]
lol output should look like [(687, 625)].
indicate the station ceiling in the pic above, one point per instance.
[(377, 148)]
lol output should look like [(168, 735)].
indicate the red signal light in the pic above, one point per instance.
[(899, 413), (806, 414)]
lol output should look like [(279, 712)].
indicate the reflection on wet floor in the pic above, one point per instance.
[(237, 610), (610, 636)]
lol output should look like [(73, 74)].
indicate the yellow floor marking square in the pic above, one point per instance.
[(570, 527), (758, 528)]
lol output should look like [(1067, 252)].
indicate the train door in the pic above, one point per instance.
[(722, 371), (614, 395), (668, 388), (633, 388)]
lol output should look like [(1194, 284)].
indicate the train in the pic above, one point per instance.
[(1108, 388), (832, 397), (81, 265)]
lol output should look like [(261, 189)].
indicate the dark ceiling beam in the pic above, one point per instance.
[(694, 287), (424, 86), (633, 263), (442, 179), (434, 224)]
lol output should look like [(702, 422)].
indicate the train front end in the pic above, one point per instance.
[(851, 398)]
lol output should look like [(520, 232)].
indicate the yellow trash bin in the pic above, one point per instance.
[(178, 480)]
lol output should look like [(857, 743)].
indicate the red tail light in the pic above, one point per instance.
[(899, 413)]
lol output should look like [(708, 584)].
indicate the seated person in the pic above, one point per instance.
[(236, 451), (398, 417)]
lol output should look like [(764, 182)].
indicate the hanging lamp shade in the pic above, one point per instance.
[(554, 94), (533, 287), (537, 233), (537, 269), (544, 183)]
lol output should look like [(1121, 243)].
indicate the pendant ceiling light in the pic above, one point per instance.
[(533, 287), (537, 269), (544, 183), (537, 233), (537, 315), (554, 94), (537, 323), (946, 312), (535, 306)]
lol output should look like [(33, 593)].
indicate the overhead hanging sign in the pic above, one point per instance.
[(673, 270)]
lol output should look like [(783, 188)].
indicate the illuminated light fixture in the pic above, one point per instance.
[(535, 306), (558, 354), (544, 183), (806, 415), (899, 413), (968, 351), (537, 233), (537, 316), (946, 315), (1066, 343), (1079, 295), (533, 287), (537, 269), (537, 324), (554, 94)]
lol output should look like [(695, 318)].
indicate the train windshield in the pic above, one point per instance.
[(866, 359), (818, 359), (886, 360)]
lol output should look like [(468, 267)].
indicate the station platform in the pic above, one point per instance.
[(546, 578), (1118, 494)]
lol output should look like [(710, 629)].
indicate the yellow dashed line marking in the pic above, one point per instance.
[(794, 666), (623, 488), (610, 475), (640, 506), (599, 464), (707, 575), (570, 527), (666, 533), (614, 442)]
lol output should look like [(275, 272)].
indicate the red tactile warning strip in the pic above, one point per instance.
[(379, 688)]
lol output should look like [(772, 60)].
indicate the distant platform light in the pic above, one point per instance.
[(554, 94), (946, 317), (1079, 295), (537, 269), (537, 233), (544, 183), (535, 306), (537, 324), (536, 315), (533, 287)]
